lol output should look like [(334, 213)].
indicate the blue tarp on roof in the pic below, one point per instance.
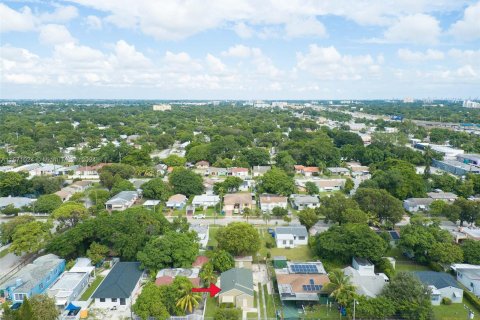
[(71, 306)]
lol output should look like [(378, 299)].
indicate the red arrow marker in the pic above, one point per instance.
[(213, 289)]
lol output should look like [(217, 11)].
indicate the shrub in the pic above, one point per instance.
[(446, 301)]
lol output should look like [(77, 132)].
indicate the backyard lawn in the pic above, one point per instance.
[(211, 308), (92, 288), (454, 311), (300, 253), (211, 236)]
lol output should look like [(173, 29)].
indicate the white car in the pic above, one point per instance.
[(199, 216)]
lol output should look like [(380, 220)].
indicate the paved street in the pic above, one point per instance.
[(227, 220)]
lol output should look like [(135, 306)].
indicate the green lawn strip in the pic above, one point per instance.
[(454, 311), (90, 290), (252, 316), (322, 312), (3, 253), (211, 308), (211, 236), (262, 301), (300, 253), (269, 303)]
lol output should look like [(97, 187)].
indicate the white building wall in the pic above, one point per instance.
[(472, 284)]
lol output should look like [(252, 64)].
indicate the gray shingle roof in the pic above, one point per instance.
[(120, 281), (237, 278), (437, 279), (300, 231)]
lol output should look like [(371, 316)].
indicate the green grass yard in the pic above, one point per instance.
[(454, 311), (301, 253), (211, 236), (211, 308), (92, 288), (3, 253)]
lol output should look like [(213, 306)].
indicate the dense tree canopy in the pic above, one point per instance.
[(238, 238), (276, 181), (351, 240), (186, 182)]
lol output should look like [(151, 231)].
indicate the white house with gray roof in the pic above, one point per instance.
[(303, 201), (469, 276), (442, 285), (122, 201), (417, 204), (237, 288), (17, 202), (291, 236)]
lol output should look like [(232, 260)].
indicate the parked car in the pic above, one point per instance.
[(199, 216)]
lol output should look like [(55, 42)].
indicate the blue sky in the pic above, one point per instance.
[(240, 49)]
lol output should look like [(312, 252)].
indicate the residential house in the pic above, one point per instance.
[(307, 171), (357, 169), (81, 185), (362, 275), (339, 171), (247, 185), (270, 201), (291, 236), (202, 231), (61, 171), (329, 185), (237, 288), (165, 277), (151, 204), (32, 279), (237, 202), (17, 202), (469, 276), (122, 201), (259, 171), (71, 283), (65, 193), (302, 201), (301, 283), (203, 165), (417, 204), (205, 200), (442, 285), (243, 262), (119, 286), (6, 168), (216, 172), (444, 196), (238, 172), (90, 171), (177, 201)]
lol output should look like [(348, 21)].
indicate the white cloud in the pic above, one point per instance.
[(59, 15), (417, 28), (469, 56), (327, 63), (215, 64), (240, 51), (12, 20), (417, 56), (469, 27), (242, 30), (93, 22), (309, 26), (54, 34)]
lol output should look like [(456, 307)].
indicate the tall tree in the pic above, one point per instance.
[(156, 189), (47, 203), (334, 208), (188, 300), (238, 238), (410, 297), (69, 214), (44, 307), (30, 237), (340, 287), (186, 182), (276, 181), (149, 303), (308, 217), (381, 204)]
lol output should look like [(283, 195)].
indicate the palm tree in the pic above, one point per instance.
[(188, 300), (340, 287), (207, 274), (247, 212), (428, 157), (266, 217)]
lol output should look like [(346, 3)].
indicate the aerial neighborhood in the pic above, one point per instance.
[(287, 212)]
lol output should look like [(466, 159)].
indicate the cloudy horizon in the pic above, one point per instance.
[(245, 49)]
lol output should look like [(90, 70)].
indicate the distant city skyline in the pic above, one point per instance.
[(240, 50)]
